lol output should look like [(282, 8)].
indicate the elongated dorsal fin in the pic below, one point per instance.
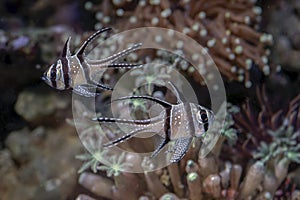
[(163, 103), (156, 100), (116, 56), (90, 39), (177, 94), (66, 50)]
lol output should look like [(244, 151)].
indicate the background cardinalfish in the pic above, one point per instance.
[(178, 122), (62, 74)]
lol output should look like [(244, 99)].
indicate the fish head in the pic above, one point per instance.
[(203, 119), (53, 76)]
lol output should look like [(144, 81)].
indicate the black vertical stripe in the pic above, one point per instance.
[(66, 75), (66, 49), (53, 76), (205, 127), (80, 58), (167, 125), (204, 118)]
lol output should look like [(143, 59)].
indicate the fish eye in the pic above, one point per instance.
[(52, 73), (202, 116)]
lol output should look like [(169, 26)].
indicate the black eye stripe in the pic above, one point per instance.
[(53, 76), (205, 127), (53, 73)]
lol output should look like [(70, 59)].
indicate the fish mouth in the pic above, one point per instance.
[(44, 78), (211, 117)]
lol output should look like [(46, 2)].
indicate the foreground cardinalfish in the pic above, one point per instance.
[(68, 67), (178, 122)]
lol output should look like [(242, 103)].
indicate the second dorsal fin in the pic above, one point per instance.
[(163, 103), (178, 95), (81, 50), (156, 100)]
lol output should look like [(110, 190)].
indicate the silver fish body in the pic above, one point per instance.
[(179, 122), (76, 71)]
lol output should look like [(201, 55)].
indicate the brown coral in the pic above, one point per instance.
[(226, 28), (272, 137), (267, 119), (286, 36)]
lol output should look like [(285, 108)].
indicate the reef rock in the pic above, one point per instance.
[(39, 164), (38, 107)]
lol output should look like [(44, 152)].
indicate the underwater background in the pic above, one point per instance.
[(256, 47)]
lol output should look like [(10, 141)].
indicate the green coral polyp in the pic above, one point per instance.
[(116, 165), (283, 145), (192, 176)]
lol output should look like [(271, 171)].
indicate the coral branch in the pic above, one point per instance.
[(194, 184), (212, 185), (176, 179), (99, 185), (252, 180), (154, 184), (207, 165)]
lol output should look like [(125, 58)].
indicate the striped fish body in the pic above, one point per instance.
[(62, 74), (78, 72), (178, 122)]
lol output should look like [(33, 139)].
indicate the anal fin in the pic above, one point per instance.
[(181, 146), (159, 143)]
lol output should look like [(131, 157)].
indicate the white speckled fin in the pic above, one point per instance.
[(89, 90), (85, 90), (123, 65), (156, 100), (181, 146), (114, 57), (125, 121)]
